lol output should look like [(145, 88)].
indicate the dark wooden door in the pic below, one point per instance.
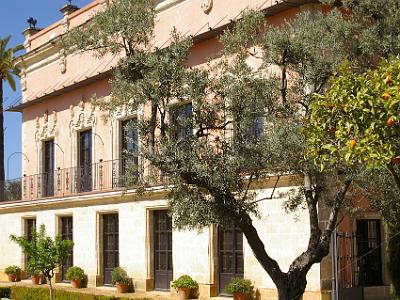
[(230, 254), (48, 169), (110, 245), (369, 254), (162, 250), (30, 228), (85, 161), (66, 234)]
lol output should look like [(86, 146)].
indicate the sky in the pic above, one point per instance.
[(13, 16)]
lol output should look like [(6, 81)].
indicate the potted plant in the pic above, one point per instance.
[(36, 277), (13, 272), (121, 280), (241, 289), (76, 275), (183, 285)]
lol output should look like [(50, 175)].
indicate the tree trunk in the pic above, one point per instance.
[(50, 287), (2, 177), (293, 288)]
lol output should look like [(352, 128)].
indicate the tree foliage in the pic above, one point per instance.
[(45, 254), (356, 120), (248, 108), (132, 26)]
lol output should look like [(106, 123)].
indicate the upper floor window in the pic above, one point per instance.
[(48, 168), (84, 175), (182, 122), (129, 151), (129, 141), (255, 130)]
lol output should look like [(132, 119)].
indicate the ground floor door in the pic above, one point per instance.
[(66, 234), (110, 246), (30, 227), (230, 255), (369, 254), (162, 250)]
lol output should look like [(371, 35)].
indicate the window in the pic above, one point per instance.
[(85, 161), (182, 126), (48, 168), (369, 254), (129, 152), (66, 234), (255, 130)]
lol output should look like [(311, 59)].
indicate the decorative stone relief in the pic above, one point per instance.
[(62, 61), (206, 6), (44, 128), (84, 119), (122, 112)]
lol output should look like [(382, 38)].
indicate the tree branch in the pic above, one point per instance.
[(337, 204)]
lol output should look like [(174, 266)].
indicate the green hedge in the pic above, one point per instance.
[(27, 293), (5, 292)]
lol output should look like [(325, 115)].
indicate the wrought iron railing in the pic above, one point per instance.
[(102, 176)]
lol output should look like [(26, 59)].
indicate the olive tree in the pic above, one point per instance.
[(218, 130)]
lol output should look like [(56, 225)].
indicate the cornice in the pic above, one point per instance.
[(83, 200)]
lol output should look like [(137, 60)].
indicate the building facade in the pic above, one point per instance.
[(73, 176)]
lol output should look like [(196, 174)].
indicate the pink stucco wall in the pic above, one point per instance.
[(58, 117)]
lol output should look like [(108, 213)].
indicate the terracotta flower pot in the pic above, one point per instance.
[(12, 277), (76, 283), (122, 288), (183, 293), (35, 279), (239, 296)]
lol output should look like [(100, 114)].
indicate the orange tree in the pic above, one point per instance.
[(356, 121), (356, 124)]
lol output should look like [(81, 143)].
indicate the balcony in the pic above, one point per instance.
[(104, 176)]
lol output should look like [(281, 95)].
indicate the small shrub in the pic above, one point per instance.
[(75, 273), (12, 270), (240, 285), (119, 275), (185, 281)]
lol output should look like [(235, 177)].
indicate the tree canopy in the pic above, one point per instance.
[(219, 129)]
